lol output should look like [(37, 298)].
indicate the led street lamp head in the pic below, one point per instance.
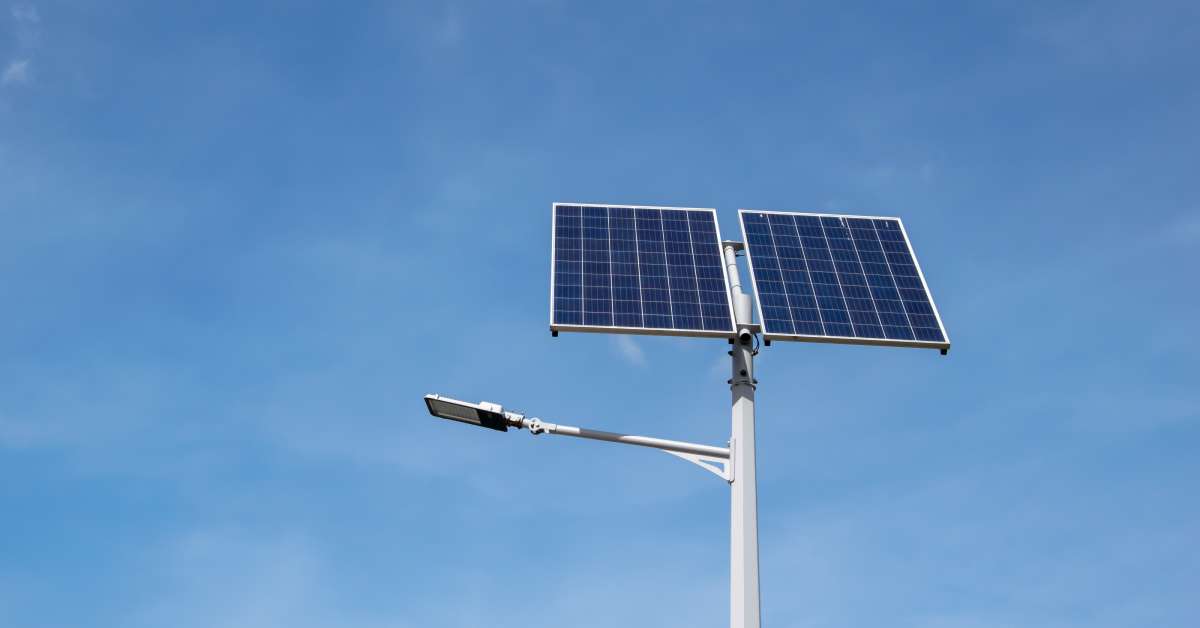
[(483, 414)]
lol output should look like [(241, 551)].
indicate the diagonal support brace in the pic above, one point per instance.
[(720, 467)]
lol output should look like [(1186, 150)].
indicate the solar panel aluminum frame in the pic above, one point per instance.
[(849, 340), (644, 331)]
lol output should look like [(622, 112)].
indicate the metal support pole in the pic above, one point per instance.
[(743, 574), (741, 300), (743, 556)]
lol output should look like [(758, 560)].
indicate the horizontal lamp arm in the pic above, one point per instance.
[(537, 426)]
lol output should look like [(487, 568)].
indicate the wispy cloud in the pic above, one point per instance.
[(15, 72), (228, 578), (448, 30), (1185, 229), (27, 19), (22, 434), (439, 30), (629, 350), (26, 13), (885, 174), (719, 367), (1107, 32)]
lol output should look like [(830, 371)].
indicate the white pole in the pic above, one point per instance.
[(731, 269), (743, 575), (743, 556)]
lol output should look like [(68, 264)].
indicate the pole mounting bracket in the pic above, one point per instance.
[(537, 426), (719, 467)]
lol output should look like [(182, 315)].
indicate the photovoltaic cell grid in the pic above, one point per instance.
[(844, 278), (639, 270)]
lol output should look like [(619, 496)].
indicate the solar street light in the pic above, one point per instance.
[(666, 271)]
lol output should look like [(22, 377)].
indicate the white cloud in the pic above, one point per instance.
[(719, 367), (1185, 230), (629, 350), (17, 434), (892, 174), (16, 72), (1109, 31), (26, 13), (228, 578), (448, 32)]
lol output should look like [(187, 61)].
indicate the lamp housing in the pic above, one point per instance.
[(483, 414)]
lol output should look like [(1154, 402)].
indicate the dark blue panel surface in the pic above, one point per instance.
[(838, 277), (640, 268)]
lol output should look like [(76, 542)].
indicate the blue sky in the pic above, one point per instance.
[(240, 240)]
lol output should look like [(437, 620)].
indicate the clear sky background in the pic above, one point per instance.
[(238, 242)]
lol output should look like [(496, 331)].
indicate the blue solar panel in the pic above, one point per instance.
[(648, 270), (848, 279)]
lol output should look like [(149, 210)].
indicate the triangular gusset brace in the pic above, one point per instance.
[(719, 467)]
